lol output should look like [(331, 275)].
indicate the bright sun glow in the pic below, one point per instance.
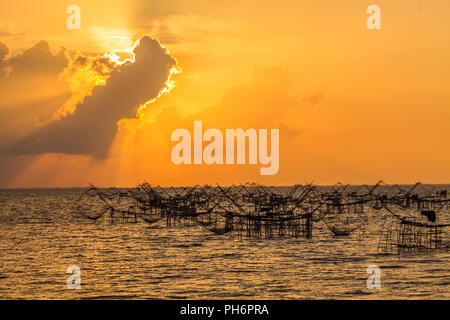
[(169, 86), (117, 57)]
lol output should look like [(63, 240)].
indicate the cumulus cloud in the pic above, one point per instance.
[(39, 57), (83, 74), (90, 130), (38, 60), (30, 89), (39, 85)]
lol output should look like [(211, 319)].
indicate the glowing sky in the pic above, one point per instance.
[(352, 105)]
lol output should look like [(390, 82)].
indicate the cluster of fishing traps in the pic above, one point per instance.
[(413, 221)]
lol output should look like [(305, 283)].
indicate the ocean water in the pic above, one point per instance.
[(40, 238)]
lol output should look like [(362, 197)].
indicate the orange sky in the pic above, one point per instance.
[(352, 105)]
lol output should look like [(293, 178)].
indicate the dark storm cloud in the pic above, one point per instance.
[(92, 128)]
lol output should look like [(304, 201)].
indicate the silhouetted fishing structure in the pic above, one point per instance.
[(257, 211), (417, 212)]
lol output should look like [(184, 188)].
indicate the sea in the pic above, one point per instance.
[(41, 239)]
